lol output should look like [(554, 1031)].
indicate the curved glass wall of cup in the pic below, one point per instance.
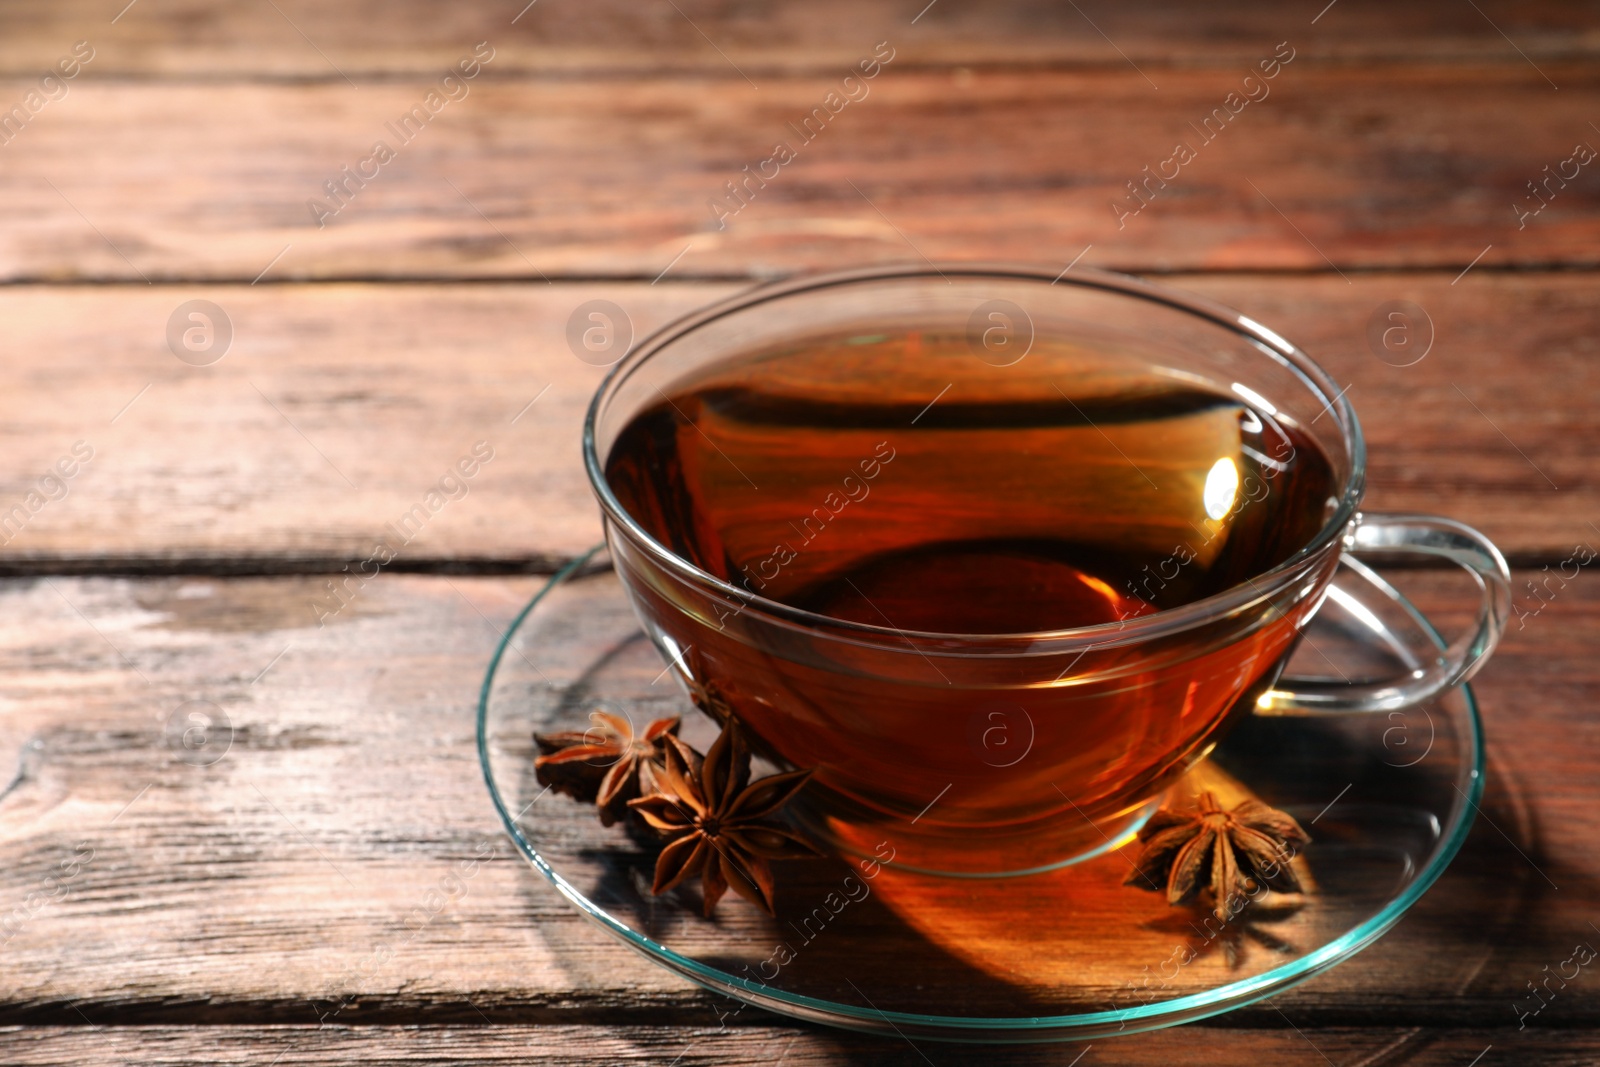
[(1063, 955)]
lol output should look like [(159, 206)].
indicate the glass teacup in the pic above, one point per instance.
[(988, 752)]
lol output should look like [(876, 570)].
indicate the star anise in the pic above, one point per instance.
[(719, 824), (1233, 852), (607, 763)]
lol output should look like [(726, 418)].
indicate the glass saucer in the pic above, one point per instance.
[(1065, 954)]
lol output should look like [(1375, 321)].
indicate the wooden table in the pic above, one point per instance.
[(164, 909)]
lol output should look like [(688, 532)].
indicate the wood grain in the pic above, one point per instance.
[(214, 912), (242, 466), (285, 879), (335, 411), (1339, 168), (792, 1047), (188, 39)]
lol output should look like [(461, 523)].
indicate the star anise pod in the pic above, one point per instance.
[(607, 763), (1231, 851), (719, 824)]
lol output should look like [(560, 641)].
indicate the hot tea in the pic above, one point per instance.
[(898, 480)]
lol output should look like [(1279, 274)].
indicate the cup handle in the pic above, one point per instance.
[(1437, 669)]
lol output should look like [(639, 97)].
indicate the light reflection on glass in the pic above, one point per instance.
[(1256, 400)]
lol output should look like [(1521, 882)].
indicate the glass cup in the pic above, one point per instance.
[(996, 754)]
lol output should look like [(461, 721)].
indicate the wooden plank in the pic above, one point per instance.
[(334, 412), (301, 39), (1191, 1046), (286, 877), (1355, 167), (242, 465)]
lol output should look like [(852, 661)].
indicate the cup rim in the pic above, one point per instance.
[(1161, 622)]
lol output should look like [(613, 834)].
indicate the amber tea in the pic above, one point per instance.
[(895, 480)]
